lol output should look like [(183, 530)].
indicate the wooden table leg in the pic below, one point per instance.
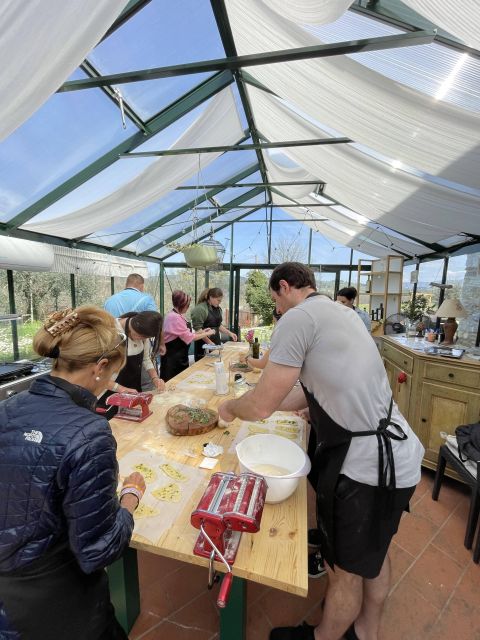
[(233, 617), (124, 588)]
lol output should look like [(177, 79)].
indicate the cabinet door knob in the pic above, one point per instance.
[(424, 419), (451, 375)]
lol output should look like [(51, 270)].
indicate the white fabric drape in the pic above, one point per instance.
[(218, 124), (461, 19), (41, 43), (310, 11), (399, 122), (369, 187), (355, 231)]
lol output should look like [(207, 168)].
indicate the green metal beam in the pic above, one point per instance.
[(230, 185), (225, 31), (234, 62), (233, 204), (396, 13), (92, 72), (161, 121), (275, 206), (223, 226), (244, 147), (129, 11), (183, 209)]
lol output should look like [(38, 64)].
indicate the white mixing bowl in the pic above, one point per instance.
[(259, 452)]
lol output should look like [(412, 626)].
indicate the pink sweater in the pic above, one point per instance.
[(175, 326)]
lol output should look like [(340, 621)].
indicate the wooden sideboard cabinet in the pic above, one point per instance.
[(438, 393)]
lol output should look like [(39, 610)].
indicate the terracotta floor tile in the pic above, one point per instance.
[(165, 596), (144, 622), (451, 536), (407, 615), (152, 567), (400, 562), (424, 486), (436, 511), (458, 621), (255, 591), (284, 609), (414, 533), (469, 586), (434, 575), (258, 624), (200, 613), (170, 631)]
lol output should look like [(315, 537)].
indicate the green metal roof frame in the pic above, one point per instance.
[(228, 70)]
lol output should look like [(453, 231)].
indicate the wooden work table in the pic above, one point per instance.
[(275, 556), (436, 394)]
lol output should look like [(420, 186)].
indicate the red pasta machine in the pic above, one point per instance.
[(131, 406), (230, 505)]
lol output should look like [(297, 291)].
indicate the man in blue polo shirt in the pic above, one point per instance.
[(132, 298)]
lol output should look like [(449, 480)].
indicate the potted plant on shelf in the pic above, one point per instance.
[(415, 309)]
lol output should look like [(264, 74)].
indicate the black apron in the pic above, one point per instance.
[(328, 447), (175, 359), (130, 376), (212, 321), (51, 598)]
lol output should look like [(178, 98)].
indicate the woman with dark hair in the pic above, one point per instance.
[(144, 337), (178, 335), (207, 313), (62, 522)]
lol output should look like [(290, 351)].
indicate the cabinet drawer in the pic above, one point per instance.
[(401, 359), (452, 374)]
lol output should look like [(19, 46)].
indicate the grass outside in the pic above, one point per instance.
[(25, 331)]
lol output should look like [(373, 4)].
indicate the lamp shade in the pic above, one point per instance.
[(451, 308)]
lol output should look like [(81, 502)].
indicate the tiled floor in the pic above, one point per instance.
[(435, 593)]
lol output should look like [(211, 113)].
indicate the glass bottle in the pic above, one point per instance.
[(256, 349)]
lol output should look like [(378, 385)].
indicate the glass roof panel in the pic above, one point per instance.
[(119, 173), (438, 71), (64, 136), (161, 34)]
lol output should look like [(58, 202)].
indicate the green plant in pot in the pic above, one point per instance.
[(415, 309)]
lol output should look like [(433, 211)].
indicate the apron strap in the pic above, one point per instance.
[(386, 468)]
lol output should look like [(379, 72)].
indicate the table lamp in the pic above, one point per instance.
[(451, 308)]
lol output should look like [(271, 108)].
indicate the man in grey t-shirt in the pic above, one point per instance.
[(366, 460)]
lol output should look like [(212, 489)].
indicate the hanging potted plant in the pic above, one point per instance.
[(197, 254)]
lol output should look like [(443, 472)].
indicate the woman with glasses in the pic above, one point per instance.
[(144, 336), (61, 520), (208, 314), (178, 336)]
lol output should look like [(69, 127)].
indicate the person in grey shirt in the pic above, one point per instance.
[(347, 296), (365, 458)]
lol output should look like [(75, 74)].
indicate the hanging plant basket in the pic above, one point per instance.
[(199, 255)]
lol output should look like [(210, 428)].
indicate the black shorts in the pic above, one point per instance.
[(364, 523)]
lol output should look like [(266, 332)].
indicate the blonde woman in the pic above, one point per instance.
[(62, 522)]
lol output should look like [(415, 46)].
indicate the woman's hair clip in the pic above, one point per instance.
[(54, 352), (61, 321)]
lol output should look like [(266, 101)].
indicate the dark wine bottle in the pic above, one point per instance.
[(256, 349)]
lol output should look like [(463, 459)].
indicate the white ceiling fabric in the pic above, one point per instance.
[(310, 11), (369, 187), (399, 122), (461, 19), (41, 44), (219, 124), (357, 231)]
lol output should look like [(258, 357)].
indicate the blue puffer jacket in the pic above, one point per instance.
[(58, 478)]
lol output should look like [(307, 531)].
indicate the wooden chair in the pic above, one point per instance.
[(447, 455)]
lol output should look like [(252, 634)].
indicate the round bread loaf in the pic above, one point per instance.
[(190, 421)]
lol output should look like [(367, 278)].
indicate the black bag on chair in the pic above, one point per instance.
[(468, 438)]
